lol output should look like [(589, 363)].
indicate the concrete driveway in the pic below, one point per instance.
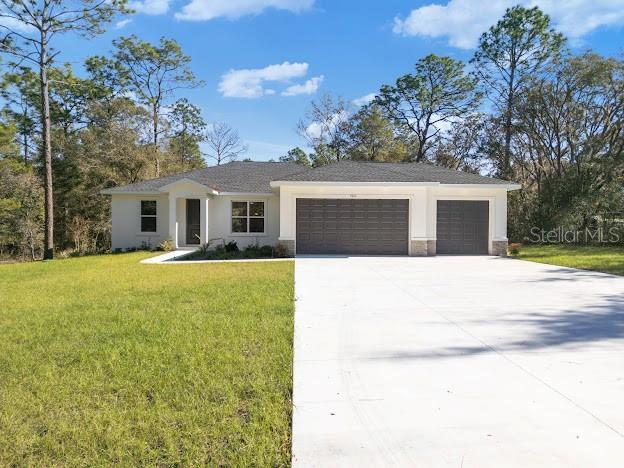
[(457, 361)]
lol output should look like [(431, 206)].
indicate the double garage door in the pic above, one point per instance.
[(381, 226), (352, 226)]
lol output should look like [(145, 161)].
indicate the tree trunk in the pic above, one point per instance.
[(155, 138), (506, 163), (46, 146)]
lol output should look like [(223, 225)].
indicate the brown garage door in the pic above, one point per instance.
[(354, 227), (462, 227)]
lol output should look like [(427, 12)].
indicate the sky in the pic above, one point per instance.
[(263, 61)]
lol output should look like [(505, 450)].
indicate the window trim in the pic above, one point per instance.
[(141, 216), (248, 217)]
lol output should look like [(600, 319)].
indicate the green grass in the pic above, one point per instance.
[(107, 361), (608, 259)]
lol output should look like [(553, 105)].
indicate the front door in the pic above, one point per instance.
[(193, 226)]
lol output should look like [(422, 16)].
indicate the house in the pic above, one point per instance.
[(348, 207)]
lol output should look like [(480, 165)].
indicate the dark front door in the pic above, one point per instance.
[(352, 226), (462, 227), (193, 226)]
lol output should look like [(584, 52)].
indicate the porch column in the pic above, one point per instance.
[(173, 220), (203, 220)]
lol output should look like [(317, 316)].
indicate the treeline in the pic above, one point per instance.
[(121, 121), (525, 109)]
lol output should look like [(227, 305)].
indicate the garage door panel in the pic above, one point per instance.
[(462, 227), (344, 226)]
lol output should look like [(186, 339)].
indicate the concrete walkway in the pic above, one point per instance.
[(457, 361)]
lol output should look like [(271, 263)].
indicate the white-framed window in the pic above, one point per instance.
[(248, 217), (148, 215)]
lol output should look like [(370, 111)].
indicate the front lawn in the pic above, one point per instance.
[(107, 361), (608, 258)]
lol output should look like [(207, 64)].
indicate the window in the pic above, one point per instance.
[(248, 217), (148, 215)]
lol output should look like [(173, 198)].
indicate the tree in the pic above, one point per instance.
[(296, 155), (437, 93), (7, 140), (29, 26), (463, 146), (187, 131), (372, 137), (20, 208), (20, 92), (516, 48), (151, 73), (325, 127), (223, 143), (570, 150)]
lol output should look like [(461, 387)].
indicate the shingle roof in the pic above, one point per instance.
[(352, 171), (248, 177), (255, 177)]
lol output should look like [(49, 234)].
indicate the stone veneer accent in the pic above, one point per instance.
[(499, 247), (422, 248), (290, 245)]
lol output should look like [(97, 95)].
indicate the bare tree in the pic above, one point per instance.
[(27, 30), (223, 143), (326, 127)]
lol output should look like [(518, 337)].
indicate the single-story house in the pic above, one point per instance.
[(356, 208)]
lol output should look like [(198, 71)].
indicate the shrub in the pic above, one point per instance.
[(266, 251), (166, 245), (205, 248), (231, 246), (514, 249), (281, 250)]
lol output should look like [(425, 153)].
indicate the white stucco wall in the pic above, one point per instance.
[(220, 221), (422, 199), (280, 221), (126, 221)]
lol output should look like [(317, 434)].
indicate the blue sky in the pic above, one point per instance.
[(263, 61)]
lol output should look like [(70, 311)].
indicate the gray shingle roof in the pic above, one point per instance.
[(248, 177), (352, 171), (255, 177)]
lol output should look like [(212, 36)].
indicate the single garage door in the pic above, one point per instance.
[(352, 226), (462, 227)]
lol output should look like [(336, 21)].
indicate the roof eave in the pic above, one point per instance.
[(112, 191), (280, 183)]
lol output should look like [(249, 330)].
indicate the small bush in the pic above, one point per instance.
[(166, 245), (205, 248), (281, 250), (514, 249), (231, 246)]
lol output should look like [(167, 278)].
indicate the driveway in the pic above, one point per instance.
[(456, 361)]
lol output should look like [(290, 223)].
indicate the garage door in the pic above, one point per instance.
[(462, 227), (355, 227)]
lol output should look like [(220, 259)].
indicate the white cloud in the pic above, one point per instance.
[(309, 87), (204, 10), (463, 21), (16, 25), (122, 23), (150, 7), (315, 129), (362, 101), (249, 83)]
